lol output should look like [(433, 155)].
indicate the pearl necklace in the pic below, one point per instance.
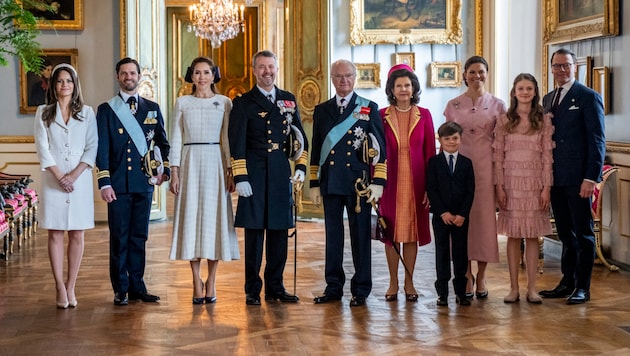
[(403, 110)]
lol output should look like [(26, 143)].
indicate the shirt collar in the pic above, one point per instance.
[(347, 97), (126, 96), (267, 93), (455, 154)]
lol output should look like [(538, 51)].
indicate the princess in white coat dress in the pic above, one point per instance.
[(66, 140)]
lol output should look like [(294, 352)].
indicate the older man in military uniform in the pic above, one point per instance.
[(348, 139), (128, 127), (262, 124)]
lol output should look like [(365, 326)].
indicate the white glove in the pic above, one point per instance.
[(244, 189), (316, 195), (298, 177), (376, 192)]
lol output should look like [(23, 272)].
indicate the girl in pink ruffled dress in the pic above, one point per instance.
[(523, 177)]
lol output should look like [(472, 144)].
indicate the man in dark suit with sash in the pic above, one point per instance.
[(128, 128), (348, 145), (578, 118), (261, 124)]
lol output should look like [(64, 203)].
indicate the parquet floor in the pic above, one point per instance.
[(31, 325)]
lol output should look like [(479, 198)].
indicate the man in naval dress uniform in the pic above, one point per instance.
[(127, 126), (342, 127), (260, 124)]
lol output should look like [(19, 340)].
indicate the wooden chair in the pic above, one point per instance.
[(596, 210)]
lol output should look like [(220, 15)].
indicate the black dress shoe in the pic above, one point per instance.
[(561, 291), (325, 298), (442, 301), (579, 296), (462, 300), (283, 297), (120, 298), (210, 300), (145, 297), (198, 301), (252, 299), (357, 301)]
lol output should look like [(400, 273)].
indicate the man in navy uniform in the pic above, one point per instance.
[(128, 126), (342, 127), (261, 124)]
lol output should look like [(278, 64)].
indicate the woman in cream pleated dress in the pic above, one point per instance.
[(201, 180)]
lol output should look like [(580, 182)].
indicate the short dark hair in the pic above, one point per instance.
[(449, 128), (415, 83), (563, 51), (127, 60), (264, 53)]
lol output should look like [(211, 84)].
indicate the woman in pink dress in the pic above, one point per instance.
[(477, 111), (522, 170), (410, 142)]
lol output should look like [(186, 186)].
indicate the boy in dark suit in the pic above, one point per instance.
[(451, 189)]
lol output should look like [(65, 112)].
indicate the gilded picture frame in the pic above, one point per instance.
[(601, 84), (68, 15), (573, 20), (386, 21), (408, 58), (32, 93), (446, 74), (584, 70), (368, 75)]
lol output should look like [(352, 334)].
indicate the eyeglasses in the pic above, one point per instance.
[(346, 76), (565, 66)]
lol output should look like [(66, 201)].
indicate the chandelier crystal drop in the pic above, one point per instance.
[(216, 20)]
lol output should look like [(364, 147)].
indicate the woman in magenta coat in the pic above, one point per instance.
[(410, 142)]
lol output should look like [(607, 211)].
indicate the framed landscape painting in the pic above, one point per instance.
[(573, 20), (405, 22)]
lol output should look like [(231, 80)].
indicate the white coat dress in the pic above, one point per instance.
[(65, 146)]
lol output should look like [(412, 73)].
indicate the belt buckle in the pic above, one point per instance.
[(275, 146)]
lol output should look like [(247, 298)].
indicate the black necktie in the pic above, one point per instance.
[(451, 163), (342, 107), (270, 97), (132, 104), (556, 100)]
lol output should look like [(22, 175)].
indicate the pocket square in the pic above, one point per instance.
[(573, 107)]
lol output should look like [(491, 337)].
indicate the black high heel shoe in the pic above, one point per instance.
[(198, 301), (470, 295)]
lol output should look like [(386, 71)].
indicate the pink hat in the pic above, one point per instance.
[(398, 67)]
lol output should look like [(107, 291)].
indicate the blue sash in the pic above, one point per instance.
[(130, 123), (337, 132)]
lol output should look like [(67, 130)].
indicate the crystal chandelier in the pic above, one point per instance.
[(216, 20)]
